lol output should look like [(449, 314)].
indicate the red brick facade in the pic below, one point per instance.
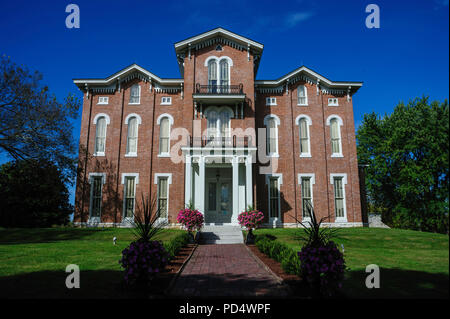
[(186, 109)]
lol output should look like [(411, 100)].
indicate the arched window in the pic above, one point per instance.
[(304, 121), (100, 135), (165, 121), (212, 76), (135, 94), (271, 122), (224, 76), (302, 96), (218, 122), (335, 123), (132, 136)]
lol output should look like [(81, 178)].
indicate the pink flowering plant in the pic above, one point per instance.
[(250, 219), (191, 219)]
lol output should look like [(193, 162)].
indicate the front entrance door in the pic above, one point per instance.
[(219, 207)]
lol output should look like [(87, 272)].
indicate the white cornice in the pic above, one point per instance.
[(125, 72), (217, 32), (311, 73)]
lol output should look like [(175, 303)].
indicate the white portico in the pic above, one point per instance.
[(220, 186)]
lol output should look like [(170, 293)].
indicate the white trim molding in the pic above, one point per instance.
[(168, 175), (129, 116), (344, 182), (99, 115), (130, 175), (158, 121), (103, 175), (218, 59)]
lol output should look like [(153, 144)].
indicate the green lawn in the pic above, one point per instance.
[(412, 264), (33, 261)]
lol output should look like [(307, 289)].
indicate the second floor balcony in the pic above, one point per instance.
[(212, 93)]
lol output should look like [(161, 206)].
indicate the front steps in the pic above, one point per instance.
[(221, 235)]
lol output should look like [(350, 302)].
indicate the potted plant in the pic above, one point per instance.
[(322, 264), (144, 258), (250, 219), (192, 220)]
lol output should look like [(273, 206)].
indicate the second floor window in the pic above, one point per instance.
[(212, 74), (132, 136), (335, 137), (135, 94), (100, 136), (218, 122), (164, 136), (304, 136), (271, 122)]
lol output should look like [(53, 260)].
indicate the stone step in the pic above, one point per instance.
[(221, 235)]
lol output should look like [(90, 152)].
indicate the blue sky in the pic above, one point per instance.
[(408, 56)]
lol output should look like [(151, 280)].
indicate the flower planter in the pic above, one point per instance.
[(250, 238)]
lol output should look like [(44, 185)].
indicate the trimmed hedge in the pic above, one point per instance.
[(280, 252), (173, 246)]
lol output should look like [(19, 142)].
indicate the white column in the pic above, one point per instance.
[(248, 182), (201, 185), (188, 182), (235, 164)]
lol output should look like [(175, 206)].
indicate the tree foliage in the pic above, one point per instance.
[(408, 156), (33, 194), (33, 124)]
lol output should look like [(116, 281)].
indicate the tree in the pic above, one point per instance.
[(33, 124), (33, 194), (408, 156)]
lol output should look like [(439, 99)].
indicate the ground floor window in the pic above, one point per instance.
[(162, 196), (96, 195), (274, 197), (306, 189), (130, 194), (339, 182)]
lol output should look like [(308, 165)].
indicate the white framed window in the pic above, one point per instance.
[(306, 182), (165, 121), (335, 123), (218, 120), (271, 121), (333, 101), (166, 100), (163, 180), (135, 94), (302, 95), (304, 122), (96, 180), (339, 181), (133, 121), (271, 101), (101, 122), (273, 182), (103, 100), (129, 181), (218, 74)]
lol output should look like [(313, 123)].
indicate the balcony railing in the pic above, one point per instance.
[(219, 89), (219, 142)]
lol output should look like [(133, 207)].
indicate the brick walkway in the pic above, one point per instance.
[(225, 270)]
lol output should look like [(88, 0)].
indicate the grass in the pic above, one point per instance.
[(412, 264), (33, 261)]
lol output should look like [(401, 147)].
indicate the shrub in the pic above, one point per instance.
[(174, 245), (191, 219), (280, 252), (250, 219), (142, 260), (322, 267)]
